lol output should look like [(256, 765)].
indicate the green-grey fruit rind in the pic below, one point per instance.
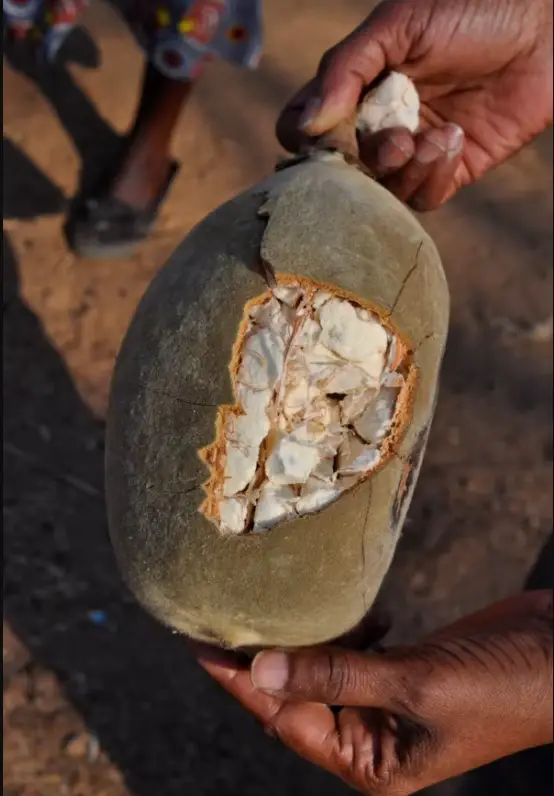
[(312, 579)]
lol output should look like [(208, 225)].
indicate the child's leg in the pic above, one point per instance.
[(236, 36), (179, 40), (142, 169)]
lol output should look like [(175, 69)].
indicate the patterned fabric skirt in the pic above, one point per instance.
[(179, 38)]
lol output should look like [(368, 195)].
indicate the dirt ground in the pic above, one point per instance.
[(98, 699)]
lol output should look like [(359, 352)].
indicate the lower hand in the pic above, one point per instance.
[(413, 716)]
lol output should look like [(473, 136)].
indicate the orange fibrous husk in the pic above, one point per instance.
[(215, 455)]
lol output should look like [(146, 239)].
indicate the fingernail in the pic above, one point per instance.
[(310, 113), (455, 140), (214, 658), (270, 671), (321, 115)]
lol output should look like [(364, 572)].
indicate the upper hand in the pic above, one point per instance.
[(482, 68), (413, 716)]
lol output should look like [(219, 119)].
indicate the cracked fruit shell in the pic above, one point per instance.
[(270, 409)]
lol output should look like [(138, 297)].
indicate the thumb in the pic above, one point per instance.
[(345, 71), (335, 676)]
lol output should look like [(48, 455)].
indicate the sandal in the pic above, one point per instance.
[(104, 226)]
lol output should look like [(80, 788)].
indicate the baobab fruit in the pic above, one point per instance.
[(270, 408)]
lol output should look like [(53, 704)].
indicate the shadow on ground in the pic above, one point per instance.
[(161, 721), (27, 192), (94, 139)]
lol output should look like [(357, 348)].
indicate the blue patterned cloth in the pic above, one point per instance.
[(179, 38)]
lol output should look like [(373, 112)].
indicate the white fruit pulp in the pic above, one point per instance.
[(317, 394)]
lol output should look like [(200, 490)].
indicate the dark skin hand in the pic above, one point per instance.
[(410, 716), (482, 68)]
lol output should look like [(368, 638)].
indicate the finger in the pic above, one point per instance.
[(289, 132), (345, 71), (332, 676), (428, 177), (387, 151), (230, 659), (308, 729), (440, 186), (312, 731), (355, 745), (235, 678), (442, 181)]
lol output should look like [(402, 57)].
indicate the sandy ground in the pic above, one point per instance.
[(109, 703)]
